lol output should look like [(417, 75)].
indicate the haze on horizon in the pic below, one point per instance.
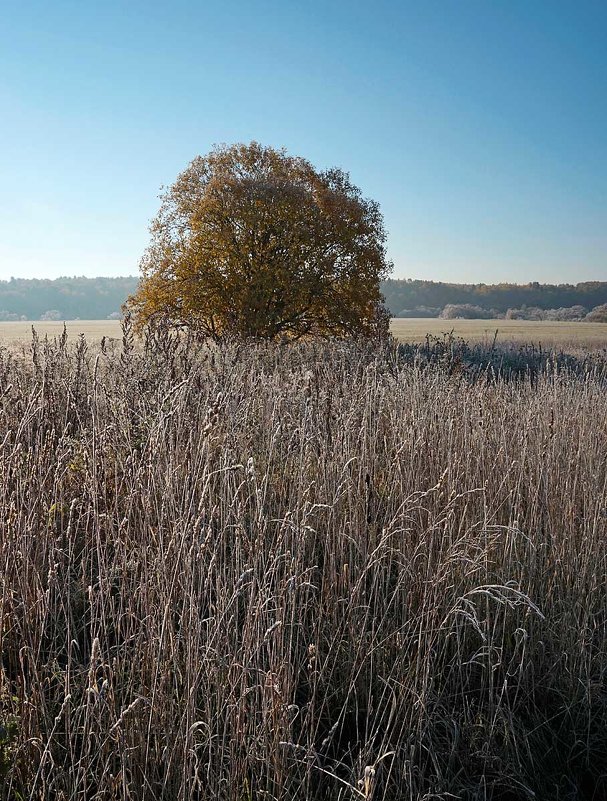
[(481, 129)]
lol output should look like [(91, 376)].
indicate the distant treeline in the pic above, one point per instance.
[(102, 298), (64, 298), (408, 298)]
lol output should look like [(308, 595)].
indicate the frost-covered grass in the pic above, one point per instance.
[(312, 572)]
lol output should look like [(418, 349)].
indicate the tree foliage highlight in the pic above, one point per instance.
[(253, 242)]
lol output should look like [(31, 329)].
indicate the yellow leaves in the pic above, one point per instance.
[(253, 242)]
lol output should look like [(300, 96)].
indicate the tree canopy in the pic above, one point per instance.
[(254, 242)]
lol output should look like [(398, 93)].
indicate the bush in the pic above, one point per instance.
[(598, 314), (420, 312), (568, 314), (465, 311), (51, 314)]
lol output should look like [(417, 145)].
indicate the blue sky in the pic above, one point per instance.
[(479, 127)]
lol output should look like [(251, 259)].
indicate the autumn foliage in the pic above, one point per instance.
[(253, 242)]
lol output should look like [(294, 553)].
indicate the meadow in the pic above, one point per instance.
[(322, 571), (19, 334), (548, 334)]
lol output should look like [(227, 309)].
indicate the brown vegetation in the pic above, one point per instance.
[(312, 572)]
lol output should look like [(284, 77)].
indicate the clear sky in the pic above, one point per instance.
[(479, 127)]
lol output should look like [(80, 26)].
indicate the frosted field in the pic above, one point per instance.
[(592, 335), (94, 330)]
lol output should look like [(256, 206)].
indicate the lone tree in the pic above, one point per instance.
[(254, 242)]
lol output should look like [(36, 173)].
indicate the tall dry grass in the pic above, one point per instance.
[(314, 572)]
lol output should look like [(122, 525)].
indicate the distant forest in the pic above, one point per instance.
[(64, 298), (101, 298), (533, 301)]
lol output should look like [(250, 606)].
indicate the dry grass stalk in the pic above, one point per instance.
[(314, 572)]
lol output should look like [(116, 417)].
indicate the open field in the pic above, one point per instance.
[(548, 334), (321, 572), (592, 335), (94, 330)]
